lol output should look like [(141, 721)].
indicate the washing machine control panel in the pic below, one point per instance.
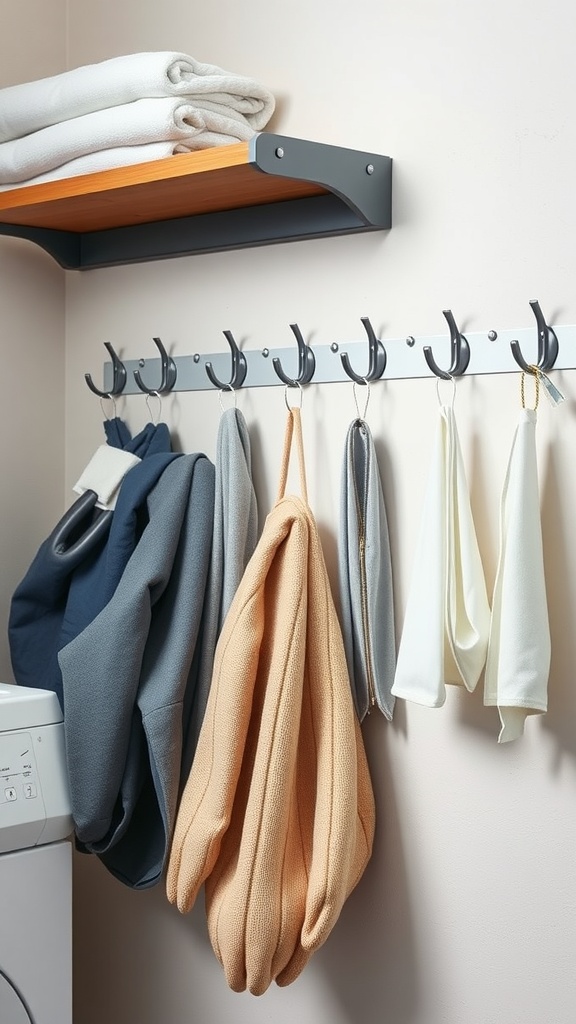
[(18, 772), (21, 804), (34, 798)]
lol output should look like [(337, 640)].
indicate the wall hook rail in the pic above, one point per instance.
[(459, 348), (306, 362), (168, 376), (239, 367), (547, 343), (376, 358), (118, 376)]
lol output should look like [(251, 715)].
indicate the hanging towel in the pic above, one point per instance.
[(447, 621), (277, 816), (125, 678), (34, 105), (233, 542), (131, 124), (519, 652), (66, 586), (365, 572)]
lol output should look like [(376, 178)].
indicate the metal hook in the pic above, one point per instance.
[(239, 367), (376, 360), (118, 376), (306, 362), (169, 373), (460, 352), (547, 343)]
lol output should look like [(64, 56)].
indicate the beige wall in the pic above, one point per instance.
[(466, 914), (32, 43)]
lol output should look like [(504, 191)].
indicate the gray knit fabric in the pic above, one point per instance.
[(125, 678), (365, 573), (233, 543)]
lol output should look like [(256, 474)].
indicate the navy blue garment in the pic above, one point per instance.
[(69, 583)]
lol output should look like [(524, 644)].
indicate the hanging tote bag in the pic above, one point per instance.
[(277, 815)]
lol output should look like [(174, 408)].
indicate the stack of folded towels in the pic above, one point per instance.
[(126, 110)]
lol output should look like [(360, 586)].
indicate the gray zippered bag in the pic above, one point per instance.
[(365, 573)]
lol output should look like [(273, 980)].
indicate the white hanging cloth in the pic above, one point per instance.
[(447, 621), (519, 652)]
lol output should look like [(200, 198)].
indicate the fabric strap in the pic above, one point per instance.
[(293, 428)]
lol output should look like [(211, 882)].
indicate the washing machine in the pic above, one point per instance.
[(35, 860)]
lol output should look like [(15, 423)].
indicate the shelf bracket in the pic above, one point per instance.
[(362, 181)]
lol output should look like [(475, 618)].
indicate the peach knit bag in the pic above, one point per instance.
[(277, 815)]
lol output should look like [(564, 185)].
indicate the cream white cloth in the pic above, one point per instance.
[(447, 621), (519, 652), (132, 124), (104, 474), (36, 104)]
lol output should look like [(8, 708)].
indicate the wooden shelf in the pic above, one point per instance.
[(272, 189)]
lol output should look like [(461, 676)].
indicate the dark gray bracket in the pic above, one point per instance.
[(359, 199)]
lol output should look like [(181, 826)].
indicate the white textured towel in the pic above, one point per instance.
[(132, 124), (105, 159), (104, 474), (519, 652), (34, 105), (447, 621)]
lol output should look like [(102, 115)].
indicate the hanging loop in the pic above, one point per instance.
[(113, 400), (286, 402), (306, 362), (239, 367), (227, 387), (459, 349), (154, 394), (169, 373), (453, 398), (118, 376), (547, 343), (376, 357), (366, 384)]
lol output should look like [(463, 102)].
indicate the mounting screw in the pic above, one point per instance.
[(334, 347), (141, 362), (492, 335), (265, 352), (410, 340), (370, 169), (196, 357), (279, 152)]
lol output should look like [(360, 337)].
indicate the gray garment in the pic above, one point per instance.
[(125, 678), (365, 572), (233, 543)]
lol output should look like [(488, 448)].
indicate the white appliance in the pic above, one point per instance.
[(35, 861)]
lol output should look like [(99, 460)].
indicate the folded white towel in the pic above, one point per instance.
[(131, 124), (519, 652), (103, 160), (34, 105), (447, 621)]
